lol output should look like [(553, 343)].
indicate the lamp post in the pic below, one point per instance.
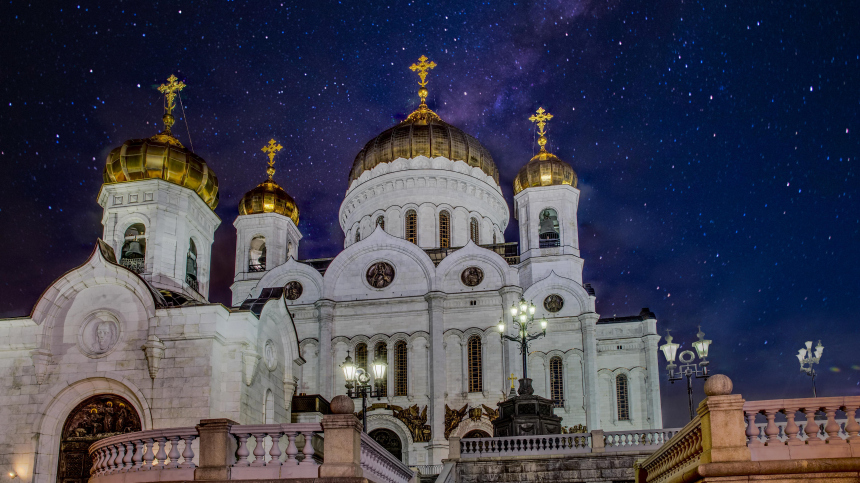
[(689, 367), (523, 316), (357, 380), (808, 359)]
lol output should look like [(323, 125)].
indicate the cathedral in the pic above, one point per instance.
[(418, 303)]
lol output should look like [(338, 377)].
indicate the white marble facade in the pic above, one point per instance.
[(103, 329)]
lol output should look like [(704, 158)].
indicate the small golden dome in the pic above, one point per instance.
[(268, 197), (162, 157), (545, 169)]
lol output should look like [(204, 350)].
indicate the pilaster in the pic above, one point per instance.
[(655, 410), (325, 309), (592, 395), (438, 446), (510, 360)]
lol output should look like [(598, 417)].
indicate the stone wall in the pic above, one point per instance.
[(608, 468)]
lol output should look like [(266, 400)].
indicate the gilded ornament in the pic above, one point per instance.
[(472, 276), (268, 197), (453, 419), (416, 422), (545, 168), (491, 414), (380, 275), (170, 91), (293, 290), (553, 303)]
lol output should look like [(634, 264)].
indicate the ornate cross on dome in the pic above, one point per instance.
[(512, 379), (541, 118), (271, 149), (422, 67), (170, 90)]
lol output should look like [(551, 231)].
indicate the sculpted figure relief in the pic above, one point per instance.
[(472, 276), (553, 303), (98, 335), (293, 290), (453, 417), (380, 275)]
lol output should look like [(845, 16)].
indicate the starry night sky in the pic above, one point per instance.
[(716, 145)]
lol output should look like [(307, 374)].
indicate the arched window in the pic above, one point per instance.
[(357, 235), (548, 234), (388, 439), (257, 254), (412, 226), (269, 413), (494, 237), (191, 266), (444, 229), (476, 383), (361, 356), (401, 369), (556, 382), (381, 353), (133, 251), (473, 231), (380, 221), (622, 397)]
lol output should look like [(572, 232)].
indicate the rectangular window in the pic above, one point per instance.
[(444, 230), (412, 226), (401, 369), (476, 383), (621, 395), (381, 353)]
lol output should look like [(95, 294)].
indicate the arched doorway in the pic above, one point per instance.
[(388, 439), (95, 418), (476, 433)]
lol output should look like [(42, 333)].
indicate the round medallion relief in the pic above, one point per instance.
[(293, 290), (553, 303), (270, 356), (98, 334), (472, 276), (380, 274)]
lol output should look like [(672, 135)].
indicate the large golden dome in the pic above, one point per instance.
[(545, 169), (162, 157), (423, 133), (268, 197)]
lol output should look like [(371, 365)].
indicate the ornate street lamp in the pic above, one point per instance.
[(523, 320), (808, 359), (689, 367), (357, 380)]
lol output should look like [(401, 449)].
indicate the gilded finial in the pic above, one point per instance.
[(541, 119), (271, 149), (170, 90), (512, 379), (422, 68)]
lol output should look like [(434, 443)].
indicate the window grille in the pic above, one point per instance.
[(473, 231), (444, 230), (412, 226), (401, 369), (381, 353), (556, 381), (361, 356), (476, 383), (380, 222), (621, 395)]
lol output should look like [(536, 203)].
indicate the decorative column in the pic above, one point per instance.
[(510, 358), (464, 366), (325, 309), (438, 377), (589, 346), (655, 411)]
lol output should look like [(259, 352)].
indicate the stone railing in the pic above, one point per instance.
[(677, 455), (259, 453), (643, 439), (136, 452), (381, 466)]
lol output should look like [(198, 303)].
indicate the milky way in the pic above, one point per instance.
[(716, 144)]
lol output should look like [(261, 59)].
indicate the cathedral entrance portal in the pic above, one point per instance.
[(95, 418), (388, 439)]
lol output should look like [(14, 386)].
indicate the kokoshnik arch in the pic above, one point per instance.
[(423, 279)]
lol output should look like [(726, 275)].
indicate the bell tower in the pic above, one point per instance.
[(266, 231)]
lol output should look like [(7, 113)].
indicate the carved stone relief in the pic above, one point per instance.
[(380, 275), (99, 334), (270, 356), (472, 276), (553, 303), (293, 290)]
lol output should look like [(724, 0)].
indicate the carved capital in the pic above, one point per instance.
[(154, 350), (250, 360), (41, 359)]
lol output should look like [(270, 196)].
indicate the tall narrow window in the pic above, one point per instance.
[(412, 226), (494, 237), (476, 383), (269, 412), (380, 221), (381, 353), (191, 266), (401, 369), (556, 382), (621, 395), (473, 231), (361, 356), (548, 234), (257, 254), (133, 251), (357, 235), (444, 229)]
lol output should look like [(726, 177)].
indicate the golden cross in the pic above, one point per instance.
[(422, 67), (512, 379), (170, 90), (271, 149), (541, 119)]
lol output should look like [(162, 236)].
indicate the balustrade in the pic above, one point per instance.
[(615, 441), (135, 452), (381, 466), (526, 445), (262, 443)]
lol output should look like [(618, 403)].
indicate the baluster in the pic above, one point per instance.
[(174, 452), (242, 453), (292, 450), (852, 428), (126, 460), (161, 456), (149, 454), (811, 428), (111, 459), (137, 457), (308, 450), (97, 462), (832, 428), (771, 430), (275, 452), (188, 452), (791, 428), (752, 430), (259, 449)]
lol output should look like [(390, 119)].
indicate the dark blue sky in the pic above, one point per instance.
[(716, 144)]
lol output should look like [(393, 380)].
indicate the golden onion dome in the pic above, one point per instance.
[(545, 169), (423, 133), (162, 157), (268, 197)]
